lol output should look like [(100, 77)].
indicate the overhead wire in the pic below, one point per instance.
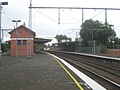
[(114, 18), (72, 16), (6, 15), (4, 30), (97, 14), (56, 21), (46, 16)]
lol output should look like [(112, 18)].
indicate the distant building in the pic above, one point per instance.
[(22, 41)]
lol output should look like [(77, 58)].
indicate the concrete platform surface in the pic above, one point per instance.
[(41, 72)]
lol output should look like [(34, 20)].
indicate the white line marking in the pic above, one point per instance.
[(94, 85)]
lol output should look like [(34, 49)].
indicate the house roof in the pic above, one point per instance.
[(41, 40), (37, 40), (22, 26)]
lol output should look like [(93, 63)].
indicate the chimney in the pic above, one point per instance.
[(24, 24)]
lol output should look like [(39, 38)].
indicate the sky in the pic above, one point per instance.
[(45, 21)]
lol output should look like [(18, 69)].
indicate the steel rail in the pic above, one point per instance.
[(106, 79), (77, 64)]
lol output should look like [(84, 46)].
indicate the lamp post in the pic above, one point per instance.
[(113, 41), (1, 3), (93, 41), (16, 21)]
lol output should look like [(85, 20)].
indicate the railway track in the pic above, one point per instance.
[(107, 76)]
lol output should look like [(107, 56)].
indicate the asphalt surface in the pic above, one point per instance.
[(41, 72)]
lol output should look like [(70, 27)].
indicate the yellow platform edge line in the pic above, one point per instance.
[(77, 83)]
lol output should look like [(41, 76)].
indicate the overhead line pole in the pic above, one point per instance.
[(106, 17), (76, 8), (1, 3), (82, 8), (29, 34), (82, 15), (59, 16)]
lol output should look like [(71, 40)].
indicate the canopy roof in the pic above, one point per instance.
[(41, 40)]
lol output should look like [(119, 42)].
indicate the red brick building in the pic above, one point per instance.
[(22, 41)]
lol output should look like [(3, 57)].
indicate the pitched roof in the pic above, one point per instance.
[(22, 26)]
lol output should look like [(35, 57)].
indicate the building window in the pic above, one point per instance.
[(24, 42), (18, 42)]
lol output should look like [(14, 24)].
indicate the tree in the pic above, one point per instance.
[(5, 47), (116, 41), (61, 37), (95, 30)]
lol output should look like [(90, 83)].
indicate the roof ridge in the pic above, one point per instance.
[(21, 26)]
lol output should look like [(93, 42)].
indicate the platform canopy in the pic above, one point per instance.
[(42, 40)]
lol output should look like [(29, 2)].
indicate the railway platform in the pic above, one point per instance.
[(42, 72)]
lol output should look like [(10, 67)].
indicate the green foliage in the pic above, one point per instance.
[(96, 30), (103, 48), (62, 37), (116, 43), (5, 47)]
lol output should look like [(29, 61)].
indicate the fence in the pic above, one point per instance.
[(96, 50)]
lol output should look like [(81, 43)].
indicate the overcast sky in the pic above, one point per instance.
[(45, 21)]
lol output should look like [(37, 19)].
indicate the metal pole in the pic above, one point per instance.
[(0, 32), (113, 40), (106, 17), (94, 46), (16, 41), (3, 33), (92, 40), (29, 35), (82, 15), (59, 16), (75, 8), (76, 42), (1, 3)]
